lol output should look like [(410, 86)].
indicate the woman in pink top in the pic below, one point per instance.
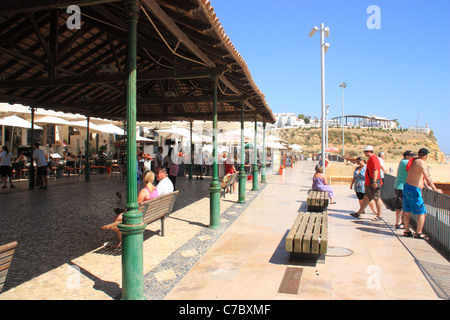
[(149, 191)]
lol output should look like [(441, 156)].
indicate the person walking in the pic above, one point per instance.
[(398, 187), (41, 163), (372, 184), (199, 162), (5, 167), (159, 157), (171, 167), (359, 180), (412, 193)]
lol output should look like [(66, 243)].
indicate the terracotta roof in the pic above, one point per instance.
[(181, 45)]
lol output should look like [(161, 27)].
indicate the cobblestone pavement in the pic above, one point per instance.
[(61, 254)]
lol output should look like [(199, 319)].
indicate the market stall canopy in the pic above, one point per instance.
[(15, 121), (111, 129), (143, 139), (275, 145), (295, 147), (52, 120), (83, 124), (175, 132), (181, 48)]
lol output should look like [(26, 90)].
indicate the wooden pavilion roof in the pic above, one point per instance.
[(181, 46)]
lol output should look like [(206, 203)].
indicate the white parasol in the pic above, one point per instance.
[(111, 129), (52, 120), (15, 121), (176, 132), (83, 124)]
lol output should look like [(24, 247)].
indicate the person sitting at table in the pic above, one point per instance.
[(320, 183)]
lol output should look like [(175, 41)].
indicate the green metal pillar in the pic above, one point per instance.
[(255, 166), (132, 228), (87, 176), (214, 190), (263, 165), (242, 175), (191, 166), (32, 173)]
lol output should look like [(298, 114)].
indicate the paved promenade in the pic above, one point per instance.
[(60, 253)]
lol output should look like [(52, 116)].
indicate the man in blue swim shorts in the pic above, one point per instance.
[(412, 193)]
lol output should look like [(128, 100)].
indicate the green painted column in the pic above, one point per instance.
[(255, 166), (263, 166), (191, 152), (132, 228), (214, 189), (87, 176), (242, 175), (32, 170)]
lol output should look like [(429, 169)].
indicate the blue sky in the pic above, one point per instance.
[(400, 71)]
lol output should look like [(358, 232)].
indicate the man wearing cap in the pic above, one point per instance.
[(412, 193), (372, 184), (398, 187)]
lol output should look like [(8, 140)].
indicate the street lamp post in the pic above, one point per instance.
[(326, 123), (343, 85), (324, 32)]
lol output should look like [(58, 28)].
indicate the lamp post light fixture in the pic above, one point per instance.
[(324, 32), (343, 85)]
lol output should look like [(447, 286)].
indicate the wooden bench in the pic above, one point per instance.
[(6, 255), (154, 209), (229, 184), (317, 201), (308, 237)]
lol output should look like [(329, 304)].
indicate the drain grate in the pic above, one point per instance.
[(291, 280)]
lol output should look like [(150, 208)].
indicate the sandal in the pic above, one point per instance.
[(421, 236), (400, 226), (377, 218), (407, 234), (355, 214)]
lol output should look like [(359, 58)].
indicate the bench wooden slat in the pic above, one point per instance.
[(300, 232), (316, 239), (6, 255), (324, 235), (292, 232), (306, 246)]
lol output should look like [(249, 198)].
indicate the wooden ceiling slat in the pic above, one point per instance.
[(44, 64)]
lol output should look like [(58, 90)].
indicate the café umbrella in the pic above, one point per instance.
[(52, 120), (15, 121)]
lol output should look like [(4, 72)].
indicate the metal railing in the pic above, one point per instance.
[(437, 222)]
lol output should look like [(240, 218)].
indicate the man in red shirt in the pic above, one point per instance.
[(372, 185)]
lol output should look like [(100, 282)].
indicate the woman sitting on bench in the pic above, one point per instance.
[(146, 193), (320, 183)]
